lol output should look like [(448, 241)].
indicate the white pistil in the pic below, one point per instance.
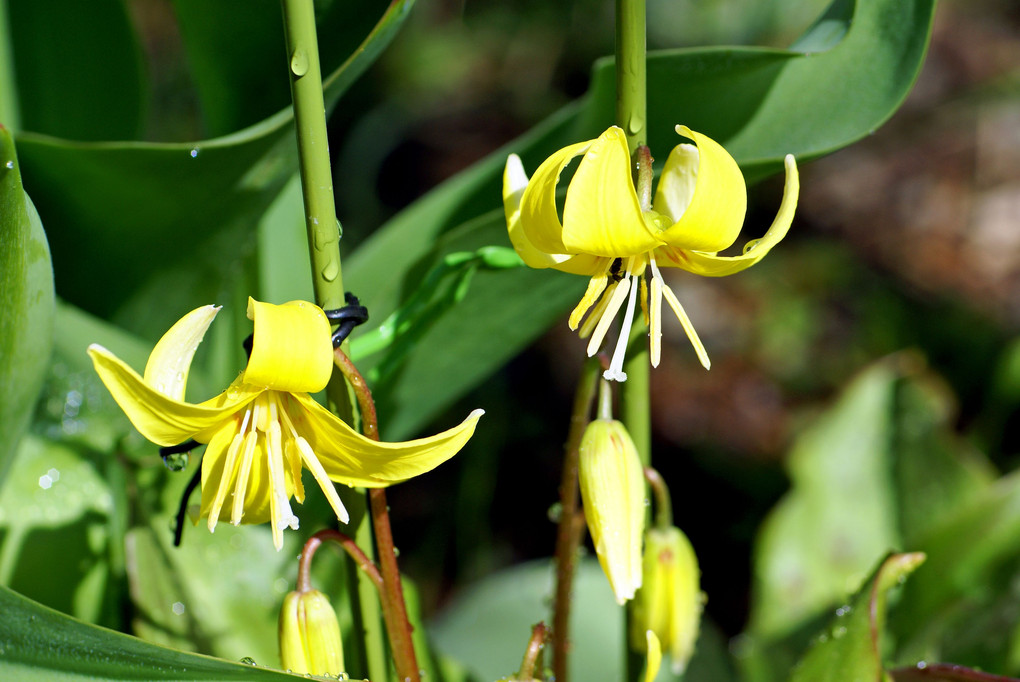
[(615, 371), (615, 303)]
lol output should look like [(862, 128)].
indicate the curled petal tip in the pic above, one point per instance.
[(476, 414)]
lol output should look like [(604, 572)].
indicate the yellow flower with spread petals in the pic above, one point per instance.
[(608, 235), (265, 428)]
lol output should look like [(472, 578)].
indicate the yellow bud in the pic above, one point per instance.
[(613, 491), (310, 635), (669, 603)]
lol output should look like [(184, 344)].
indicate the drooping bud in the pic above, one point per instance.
[(613, 492), (310, 635), (669, 602)]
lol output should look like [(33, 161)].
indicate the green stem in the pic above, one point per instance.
[(323, 233), (631, 99), (10, 112), (571, 523), (632, 116)]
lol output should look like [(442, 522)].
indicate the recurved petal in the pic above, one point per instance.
[(709, 217), (602, 215), (515, 180), (292, 350), (162, 420), (352, 459), (710, 265), (170, 361), (539, 218)]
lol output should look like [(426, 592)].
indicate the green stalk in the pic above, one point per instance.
[(323, 231), (632, 116), (631, 99), (10, 112)]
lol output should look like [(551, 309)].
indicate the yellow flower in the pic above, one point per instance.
[(310, 641), (669, 602), (607, 234), (613, 492), (264, 428)]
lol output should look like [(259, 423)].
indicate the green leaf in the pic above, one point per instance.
[(103, 99), (487, 627), (26, 298), (72, 650), (955, 607), (236, 56), (55, 505), (118, 211), (760, 103), (850, 649)]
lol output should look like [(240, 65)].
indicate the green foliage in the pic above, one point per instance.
[(26, 298)]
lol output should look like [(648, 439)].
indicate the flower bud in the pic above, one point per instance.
[(613, 491), (310, 635), (670, 600)]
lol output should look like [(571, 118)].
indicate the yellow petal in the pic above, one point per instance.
[(602, 215), (710, 265), (712, 219), (515, 180), (352, 459), (654, 661), (539, 218), (170, 361), (162, 420), (613, 491), (292, 350)]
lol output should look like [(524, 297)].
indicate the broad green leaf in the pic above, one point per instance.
[(55, 505), (850, 649), (77, 67), (840, 515), (941, 672), (851, 72), (123, 210), (37, 643), (966, 591), (487, 627), (237, 59), (26, 298)]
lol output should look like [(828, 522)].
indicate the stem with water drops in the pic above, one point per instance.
[(323, 232), (632, 116)]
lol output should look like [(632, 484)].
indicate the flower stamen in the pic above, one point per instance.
[(615, 371), (681, 315), (609, 314)]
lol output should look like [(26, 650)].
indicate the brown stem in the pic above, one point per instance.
[(392, 593), (533, 654), (304, 580), (568, 533), (663, 506)]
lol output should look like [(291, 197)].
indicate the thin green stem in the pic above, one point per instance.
[(323, 233), (571, 524), (10, 112)]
